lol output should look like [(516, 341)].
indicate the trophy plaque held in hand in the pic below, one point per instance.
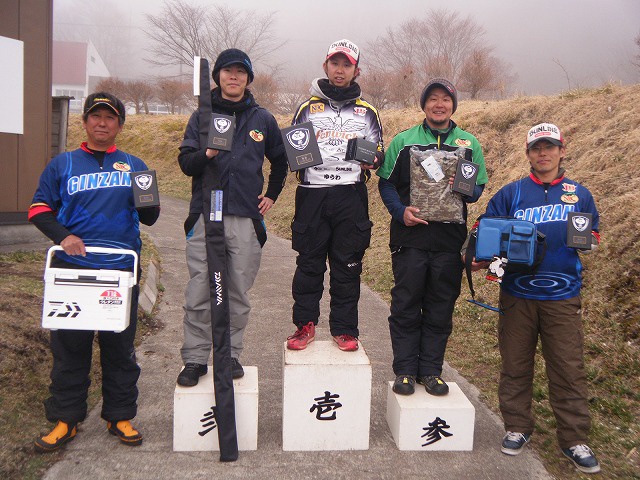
[(301, 146), (361, 150), (579, 230), (221, 130), (145, 189), (464, 180)]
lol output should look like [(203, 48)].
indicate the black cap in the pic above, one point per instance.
[(103, 99), (442, 83), (231, 56)]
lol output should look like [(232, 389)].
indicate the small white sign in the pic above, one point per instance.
[(12, 85), (432, 167), (196, 75)]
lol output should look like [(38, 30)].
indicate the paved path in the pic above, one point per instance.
[(94, 454)]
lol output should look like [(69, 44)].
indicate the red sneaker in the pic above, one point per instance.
[(303, 336), (346, 343)]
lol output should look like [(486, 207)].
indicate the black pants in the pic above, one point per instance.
[(72, 350), (331, 223), (427, 285)]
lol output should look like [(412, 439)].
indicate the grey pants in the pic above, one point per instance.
[(243, 261)]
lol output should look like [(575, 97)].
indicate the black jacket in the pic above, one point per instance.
[(257, 135)]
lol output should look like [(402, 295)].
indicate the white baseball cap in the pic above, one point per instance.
[(544, 131), (346, 47)]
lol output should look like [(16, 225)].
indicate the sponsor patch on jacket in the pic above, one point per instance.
[(256, 135), (569, 193), (316, 108), (359, 111), (461, 142), (121, 166)]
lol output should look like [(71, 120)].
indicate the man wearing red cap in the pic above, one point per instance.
[(545, 303), (331, 212), (425, 256)]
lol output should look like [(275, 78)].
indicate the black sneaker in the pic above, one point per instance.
[(191, 373), (434, 385), (514, 442), (583, 458), (404, 384), (236, 369)]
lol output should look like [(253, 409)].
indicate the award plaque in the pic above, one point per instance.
[(301, 146), (579, 226), (221, 130), (464, 180), (361, 150), (145, 189)]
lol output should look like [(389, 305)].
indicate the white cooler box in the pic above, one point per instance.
[(82, 299)]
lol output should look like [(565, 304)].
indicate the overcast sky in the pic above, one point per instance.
[(592, 40)]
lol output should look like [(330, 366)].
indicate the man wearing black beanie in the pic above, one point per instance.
[(256, 136)]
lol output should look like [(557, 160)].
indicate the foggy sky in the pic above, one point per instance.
[(592, 40)]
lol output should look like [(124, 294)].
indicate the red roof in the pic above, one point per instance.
[(69, 63)]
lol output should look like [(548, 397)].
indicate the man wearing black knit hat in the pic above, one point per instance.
[(331, 218), (425, 255), (243, 205)]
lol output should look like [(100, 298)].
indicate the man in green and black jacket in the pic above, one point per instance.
[(425, 256)]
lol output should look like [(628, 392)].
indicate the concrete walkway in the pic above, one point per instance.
[(95, 454)]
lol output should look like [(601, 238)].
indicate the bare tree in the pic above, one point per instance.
[(483, 72), (112, 85), (636, 58), (265, 90), (436, 45), (376, 88), (173, 93), (566, 74), (139, 93), (293, 93), (182, 30)]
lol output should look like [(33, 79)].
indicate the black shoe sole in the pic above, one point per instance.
[(405, 392), (131, 443), (44, 448), (432, 391), (185, 381)]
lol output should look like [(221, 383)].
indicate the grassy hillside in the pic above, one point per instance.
[(602, 129)]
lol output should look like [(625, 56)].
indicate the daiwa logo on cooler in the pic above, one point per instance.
[(217, 277), (221, 124), (110, 297), (64, 309), (144, 181), (580, 223), (299, 138), (468, 170)]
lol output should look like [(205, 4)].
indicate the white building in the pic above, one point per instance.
[(77, 68)]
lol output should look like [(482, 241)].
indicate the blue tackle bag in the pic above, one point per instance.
[(516, 240), (510, 238)]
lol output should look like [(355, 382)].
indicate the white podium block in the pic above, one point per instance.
[(326, 398), (194, 425), (426, 422)]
